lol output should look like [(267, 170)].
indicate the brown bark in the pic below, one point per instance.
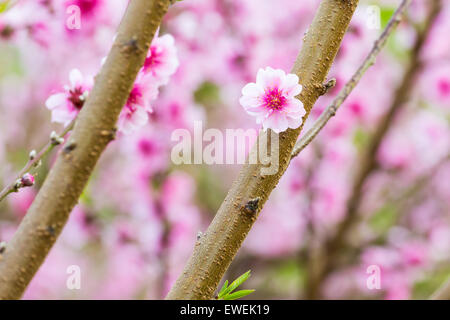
[(215, 250), (94, 129)]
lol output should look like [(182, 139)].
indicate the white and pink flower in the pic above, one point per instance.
[(272, 100), (134, 114), (160, 64), (66, 105), (162, 60)]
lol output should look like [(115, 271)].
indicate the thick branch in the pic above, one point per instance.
[(215, 250), (368, 162), (93, 130)]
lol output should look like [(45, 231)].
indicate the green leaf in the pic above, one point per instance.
[(360, 138), (4, 5), (384, 218), (236, 283), (238, 294), (425, 287), (386, 14), (226, 292), (207, 93), (224, 287)]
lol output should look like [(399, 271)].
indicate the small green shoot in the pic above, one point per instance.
[(226, 292)]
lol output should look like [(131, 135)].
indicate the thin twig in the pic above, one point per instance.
[(33, 162), (331, 110), (403, 202)]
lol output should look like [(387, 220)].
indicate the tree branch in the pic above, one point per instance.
[(34, 161), (94, 129), (215, 250), (404, 201), (331, 110), (443, 293), (368, 162)]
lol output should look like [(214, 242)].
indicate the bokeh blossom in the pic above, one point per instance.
[(160, 64), (162, 60), (272, 100), (66, 105), (134, 115)]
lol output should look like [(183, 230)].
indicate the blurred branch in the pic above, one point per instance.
[(215, 250), (405, 201), (331, 110), (368, 163), (93, 130), (34, 161), (310, 256), (443, 293)]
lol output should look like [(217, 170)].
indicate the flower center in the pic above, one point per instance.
[(444, 87), (152, 60), (134, 98), (76, 97), (274, 99), (86, 6), (146, 147)]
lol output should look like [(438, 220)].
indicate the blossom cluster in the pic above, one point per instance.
[(161, 63)]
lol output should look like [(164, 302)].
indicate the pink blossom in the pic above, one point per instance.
[(21, 201), (159, 65), (413, 253), (135, 112), (436, 84), (87, 7), (161, 61), (66, 105), (272, 100), (27, 180), (148, 150)]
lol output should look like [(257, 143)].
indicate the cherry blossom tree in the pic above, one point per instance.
[(355, 94)]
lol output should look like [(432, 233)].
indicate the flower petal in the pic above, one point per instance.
[(55, 101), (294, 123), (290, 85), (260, 111), (269, 78), (252, 90), (63, 115), (276, 121), (76, 78), (249, 102), (294, 106)]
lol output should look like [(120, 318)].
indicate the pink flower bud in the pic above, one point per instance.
[(27, 180)]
